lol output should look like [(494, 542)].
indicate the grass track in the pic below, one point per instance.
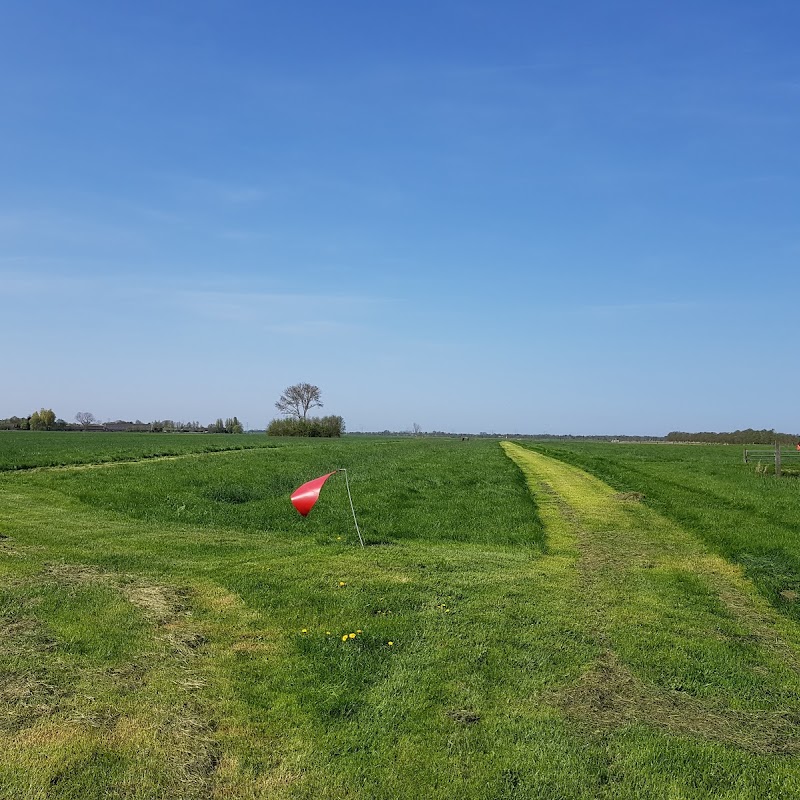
[(749, 519), (687, 645), (556, 649)]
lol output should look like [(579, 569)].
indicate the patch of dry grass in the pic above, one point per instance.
[(609, 696)]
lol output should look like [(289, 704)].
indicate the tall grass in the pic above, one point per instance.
[(443, 490)]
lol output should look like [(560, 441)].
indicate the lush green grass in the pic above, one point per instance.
[(442, 490), (172, 629), (749, 518), (27, 449)]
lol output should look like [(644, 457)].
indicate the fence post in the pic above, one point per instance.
[(745, 455), (777, 459)]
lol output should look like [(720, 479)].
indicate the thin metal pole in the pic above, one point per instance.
[(350, 497)]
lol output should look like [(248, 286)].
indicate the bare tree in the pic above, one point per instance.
[(416, 429), (85, 418), (298, 399)]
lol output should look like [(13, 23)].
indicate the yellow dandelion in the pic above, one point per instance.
[(390, 644), (345, 638), (338, 538), (305, 630), (352, 635), (327, 633), (342, 583), (359, 631)]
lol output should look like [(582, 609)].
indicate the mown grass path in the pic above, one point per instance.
[(686, 643), (745, 517)]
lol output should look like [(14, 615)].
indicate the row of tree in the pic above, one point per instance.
[(231, 425), (297, 400), (42, 420), (164, 426), (747, 436), (294, 404), (45, 420)]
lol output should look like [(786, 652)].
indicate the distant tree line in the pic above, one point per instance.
[(42, 420), (747, 436), (45, 420), (231, 425), (619, 437), (527, 436), (162, 426)]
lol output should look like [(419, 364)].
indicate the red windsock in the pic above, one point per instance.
[(304, 497)]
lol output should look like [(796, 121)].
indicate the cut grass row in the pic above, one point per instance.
[(750, 519)]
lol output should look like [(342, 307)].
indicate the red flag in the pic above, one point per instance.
[(304, 497)]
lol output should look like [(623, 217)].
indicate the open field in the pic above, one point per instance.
[(173, 629)]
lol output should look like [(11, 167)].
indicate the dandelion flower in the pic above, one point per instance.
[(352, 635), (345, 638), (390, 644), (305, 630), (338, 538), (359, 631), (342, 583)]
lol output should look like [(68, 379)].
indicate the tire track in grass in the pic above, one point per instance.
[(687, 644), (141, 459)]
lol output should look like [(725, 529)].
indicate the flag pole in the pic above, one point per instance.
[(350, 497)]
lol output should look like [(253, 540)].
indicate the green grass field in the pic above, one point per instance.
[(29, 449), (515, 628)]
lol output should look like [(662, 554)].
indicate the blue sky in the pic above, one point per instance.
[(570, 218)]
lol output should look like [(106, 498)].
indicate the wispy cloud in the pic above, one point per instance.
[(10, 223), (225, 192), (243, 236), (66, 227), (610, 310), (23, 277), (293, 313)]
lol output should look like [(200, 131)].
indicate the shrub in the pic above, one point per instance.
[(312, 427)]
